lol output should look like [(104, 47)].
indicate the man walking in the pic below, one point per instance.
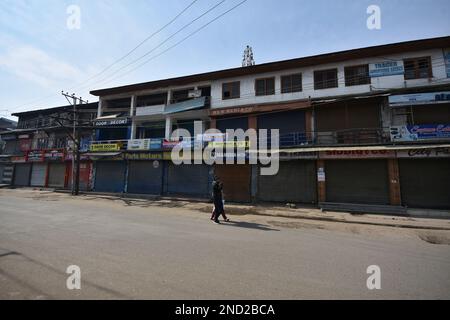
[(218, 201)]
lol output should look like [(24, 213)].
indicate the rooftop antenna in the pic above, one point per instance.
[(248, 60)]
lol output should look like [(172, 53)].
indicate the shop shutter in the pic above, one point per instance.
[(232, 123), (425, 183), (357, 181), (7, 176), (286, 122), (22, 174), (294, 182), (144, 177), (38, 172), (110, 176), (2, 169), (56, 175), (236, 180), (85, 174), (190, 180)]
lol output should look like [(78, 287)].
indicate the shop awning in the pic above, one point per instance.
[(369, 148), (102, 154), (187, 105)]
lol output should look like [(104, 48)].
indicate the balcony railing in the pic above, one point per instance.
[(348, 137)]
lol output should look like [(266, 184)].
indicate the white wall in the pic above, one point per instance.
[(248, 82)]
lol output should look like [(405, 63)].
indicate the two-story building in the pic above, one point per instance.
[(367, 126), (40, 148)]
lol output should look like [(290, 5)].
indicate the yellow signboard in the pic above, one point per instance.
[(105, 147), (230, 144)]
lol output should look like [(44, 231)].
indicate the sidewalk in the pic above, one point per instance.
[(305, 213)]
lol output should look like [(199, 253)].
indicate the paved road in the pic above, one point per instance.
[(167, 252)]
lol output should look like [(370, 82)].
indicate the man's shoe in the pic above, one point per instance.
[(216, 222)]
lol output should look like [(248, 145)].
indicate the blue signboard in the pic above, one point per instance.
[(386, 68), (420, 132)]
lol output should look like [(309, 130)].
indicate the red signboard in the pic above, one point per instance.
[(356, 154)]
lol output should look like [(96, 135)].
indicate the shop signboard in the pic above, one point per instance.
[(419, 98), (155, 144), (112, 122), (138, 144), (169, 144), (356, 154), (105, 147), (25, 145), (18, 159), (420, 132), (143, 156), (35, 156), (386, 68), (440, 152), (298, 155), (54, 155)]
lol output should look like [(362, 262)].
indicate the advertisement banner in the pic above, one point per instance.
[(139, 144), (420, 132), (105, 147), (424, 153), (419, 98), (356, 154), (35, 156), (54, 155), (386, 68)]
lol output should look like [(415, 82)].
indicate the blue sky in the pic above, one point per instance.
[(40, 56)]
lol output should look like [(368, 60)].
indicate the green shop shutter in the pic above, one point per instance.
[(294, 182), (110, 176), (189, 180), (144, 177), (357, 181), (425, 183)]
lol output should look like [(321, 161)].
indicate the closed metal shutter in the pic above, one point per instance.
[(2, 168), (286, 122), (22, 174), (110, 176), (144, 177), (236, 181), (223, 124), (425, 183), (294, 182), (357, 181), (191, 180), (56, 175), (85, 174), (38, 172), (7, 176)]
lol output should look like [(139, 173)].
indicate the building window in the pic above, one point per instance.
[(324, 79), (265, 87), (291, 83), (357, 75), (231, 90), (418, 68)]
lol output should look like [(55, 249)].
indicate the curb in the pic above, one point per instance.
[(255, 211)]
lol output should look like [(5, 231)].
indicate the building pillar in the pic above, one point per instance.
[(168, 127), (321, 181), (213, 123), (132, 114), (253, 122), (99, 109), (394, 183), (309, 125)]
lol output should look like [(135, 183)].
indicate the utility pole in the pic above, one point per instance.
[(75, 143)]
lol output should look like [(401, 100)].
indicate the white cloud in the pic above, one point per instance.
[(35, 65)]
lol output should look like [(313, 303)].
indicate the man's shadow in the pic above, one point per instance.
[(248, 225)]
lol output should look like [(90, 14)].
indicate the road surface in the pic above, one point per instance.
[(144, 250)]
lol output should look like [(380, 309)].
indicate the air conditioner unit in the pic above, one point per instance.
[(195, 93)]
